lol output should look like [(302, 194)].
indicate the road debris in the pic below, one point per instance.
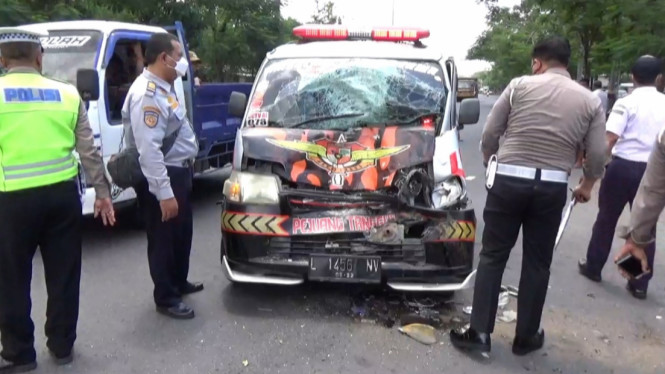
[(507, 316), (502, 315), (659, 317), (426, 316), (387, 308), (420, 332), (512, 290), (245, 363)]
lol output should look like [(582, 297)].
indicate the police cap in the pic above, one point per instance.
[(21, 34)]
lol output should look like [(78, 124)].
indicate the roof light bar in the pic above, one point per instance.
[(337, 32), (397, 34), (321, 32)]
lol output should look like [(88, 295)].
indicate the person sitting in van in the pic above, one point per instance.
[(116, 80)]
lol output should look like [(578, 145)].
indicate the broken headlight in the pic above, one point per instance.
[(448, 192), (252, 188)]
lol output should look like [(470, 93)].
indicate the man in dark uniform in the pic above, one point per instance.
[(647, 207), (544, 117), (42, 121), (153, 117), (631, 129)]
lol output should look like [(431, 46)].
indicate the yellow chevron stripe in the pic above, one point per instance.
[(276, 226), (226, 217), (235, 222), (253, 224), (262, 224)]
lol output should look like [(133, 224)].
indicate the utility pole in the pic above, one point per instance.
[(393, 21)]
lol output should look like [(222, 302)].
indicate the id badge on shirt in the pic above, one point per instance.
[(490, 173)]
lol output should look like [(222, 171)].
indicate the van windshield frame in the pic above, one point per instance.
[(67, 51)]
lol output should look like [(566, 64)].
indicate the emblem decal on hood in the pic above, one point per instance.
[(339, 158)]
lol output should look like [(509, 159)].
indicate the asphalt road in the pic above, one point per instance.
[(590, 328)]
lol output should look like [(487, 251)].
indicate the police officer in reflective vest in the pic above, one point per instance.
[(42, 121), (153, 118)]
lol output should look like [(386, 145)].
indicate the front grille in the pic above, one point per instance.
[(300, 247)]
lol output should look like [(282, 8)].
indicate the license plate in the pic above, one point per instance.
[(344, 268)]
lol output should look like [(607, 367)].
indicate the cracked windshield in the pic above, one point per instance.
[(338, 94)]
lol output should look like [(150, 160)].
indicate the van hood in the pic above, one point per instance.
[(364, 158)]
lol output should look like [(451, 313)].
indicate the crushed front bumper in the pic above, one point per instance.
[(434, 253)]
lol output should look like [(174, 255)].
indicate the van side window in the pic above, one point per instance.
[(125, 65)]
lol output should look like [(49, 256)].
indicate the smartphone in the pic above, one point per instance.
[(632, 266)]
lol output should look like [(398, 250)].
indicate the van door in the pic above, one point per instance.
[(451, 69), (118, 71)]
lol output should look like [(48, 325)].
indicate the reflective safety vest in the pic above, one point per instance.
[(38, 119)]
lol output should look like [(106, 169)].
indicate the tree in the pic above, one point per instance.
[(231, 36), (508, 41), (582, 21), (606, 36), (325, 14)]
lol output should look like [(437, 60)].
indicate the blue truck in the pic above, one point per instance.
[(100, 57)]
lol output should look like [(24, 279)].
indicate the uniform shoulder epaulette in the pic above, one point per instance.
[(151, 88)]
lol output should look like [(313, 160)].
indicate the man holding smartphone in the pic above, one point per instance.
[(647, 207), (631, 129)]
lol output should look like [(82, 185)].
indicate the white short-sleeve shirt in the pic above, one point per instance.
[(637, 120)]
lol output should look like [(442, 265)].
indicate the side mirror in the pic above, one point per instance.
[(469, 112), (87, 83), (237, 104)]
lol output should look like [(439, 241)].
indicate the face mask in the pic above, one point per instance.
[(181, 66)]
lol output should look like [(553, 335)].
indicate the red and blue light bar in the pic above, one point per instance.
[(338, 32)]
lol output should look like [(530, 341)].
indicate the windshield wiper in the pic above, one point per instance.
[(325, 118)]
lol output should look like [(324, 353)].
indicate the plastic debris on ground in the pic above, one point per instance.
[(420, 332), (502, 315), (659, 317), (507, 316), (245, 363), (387, 308)]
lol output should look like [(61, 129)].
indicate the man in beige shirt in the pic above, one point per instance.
[(647, 206), (543, 118)]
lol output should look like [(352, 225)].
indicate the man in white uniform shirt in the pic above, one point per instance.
[(602, 95), (632, 128)]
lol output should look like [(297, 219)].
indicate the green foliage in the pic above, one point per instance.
[(606, 35), (231, 37), (325, 14)]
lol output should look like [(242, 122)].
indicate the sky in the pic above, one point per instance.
[(454, 24)]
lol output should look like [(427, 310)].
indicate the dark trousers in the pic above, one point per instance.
[(536, 207), (48, 217), (618, 188), (170, 242)]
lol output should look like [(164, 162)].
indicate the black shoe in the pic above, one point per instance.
[(8, 367), (189, 288), (584, 270), (636, 292), (469, 339), (180, 311), (62, 360), (523, 346)]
